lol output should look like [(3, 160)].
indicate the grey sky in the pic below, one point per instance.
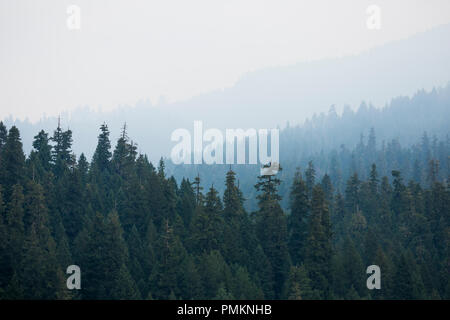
[(128, 51)]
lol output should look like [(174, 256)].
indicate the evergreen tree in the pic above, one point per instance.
[(298, 220), (216, 274), (186, 202), (310, 178), (299, 287), (207, 224), (14, 231), (62, 153), (167, 275), (39, 266), (43, 150), (191, 286), (12, 162), (102, 154), (4, 255), (167, 242), (352, 193), (327, 188), (354, 271), (272, 230), (318, 251), (235, 219), (3, 135), (407, 282)]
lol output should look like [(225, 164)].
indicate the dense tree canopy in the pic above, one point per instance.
[(138, 234)]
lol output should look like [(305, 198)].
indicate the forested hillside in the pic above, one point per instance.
[(138, 234), (404, 136)]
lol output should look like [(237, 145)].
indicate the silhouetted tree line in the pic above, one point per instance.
[(138, 234)]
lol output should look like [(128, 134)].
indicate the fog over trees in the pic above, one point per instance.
[(389, 75), (358, 186), (138, 233)]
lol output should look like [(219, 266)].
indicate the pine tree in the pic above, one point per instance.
[(335, 173), (373, 179), (167, 275), (238, 234), (43, 150), (310, 178), (70, 202), (433, 172), (3, 136), (398, 201), (62, 153), (354, 270), (102, 155), (298, 220), (318, 253), (15, 231), (170, 191), (139, 262), (232, 204), (371, 147), (186, 202), (272, 230), (12, 162), (39, 266), (327, 188), (122, 285), (207, 224), (161, 169), (4, 255), (124, 156), (215, 273), (243, 286), (386, 267), (191, 286), (198, 191), (407, 282), (299, 284), (83, 168), (352, 193)]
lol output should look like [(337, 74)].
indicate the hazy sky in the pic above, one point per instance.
[(127, 51)]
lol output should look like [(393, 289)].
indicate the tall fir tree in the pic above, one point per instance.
[(319, 250), (272, 230), (298, 219), (12, 162)]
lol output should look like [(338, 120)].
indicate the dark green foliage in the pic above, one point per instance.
[(271, 229), (207, 225), (62, 154), (136, 233), (239, 234), (299, 285), (102, 155), (43, 150), (3, 135), (318, 253), (12, 162), (298, 220)]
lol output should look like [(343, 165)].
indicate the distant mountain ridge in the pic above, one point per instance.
[(391, 137), (273, 96)]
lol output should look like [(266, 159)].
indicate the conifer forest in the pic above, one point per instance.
[(224, 159), (136, 232)]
